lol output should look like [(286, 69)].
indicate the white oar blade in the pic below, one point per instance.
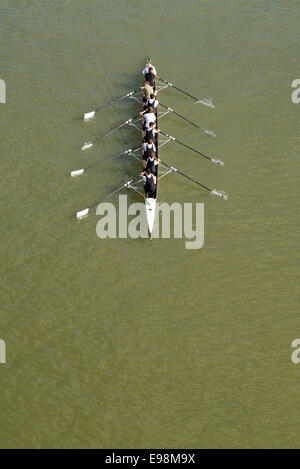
[(77, 173), (220, 194), (210, 132), (206, 102), (88, 115), (218, 162), (83, 213), (87, 145)]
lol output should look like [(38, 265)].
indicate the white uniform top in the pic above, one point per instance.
[(153, 104), (149, 117), (151, 160), (149, 147), (146, 69), (147, 176)]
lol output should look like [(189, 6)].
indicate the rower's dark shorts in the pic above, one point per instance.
[(151, 194), (148, 136), (154, 172)]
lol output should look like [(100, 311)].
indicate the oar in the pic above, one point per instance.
[(90, 144), (89, 115), (205, 101), (85, 212), (81, 171), (213, 160), (212, 191), (209, 132)]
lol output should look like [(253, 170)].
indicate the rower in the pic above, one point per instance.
[(149, 117), (148, 90), (147, 147), (151, 132), (152, 163), (150, 76), (147, 66), (150, 183), (152, 102)]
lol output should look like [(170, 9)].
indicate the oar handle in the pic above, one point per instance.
[(161, 79)]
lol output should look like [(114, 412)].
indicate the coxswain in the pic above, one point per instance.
[(147, 67), (150, 183), (152, 163)]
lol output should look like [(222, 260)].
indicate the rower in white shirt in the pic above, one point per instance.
[(147, 148), (148, 117), (147, 66), (151, 102)]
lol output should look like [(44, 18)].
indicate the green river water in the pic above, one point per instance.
[(125, 343)]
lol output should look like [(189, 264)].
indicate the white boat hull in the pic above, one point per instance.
[(150, 213)]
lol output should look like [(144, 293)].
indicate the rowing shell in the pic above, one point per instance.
[(150, 202)]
